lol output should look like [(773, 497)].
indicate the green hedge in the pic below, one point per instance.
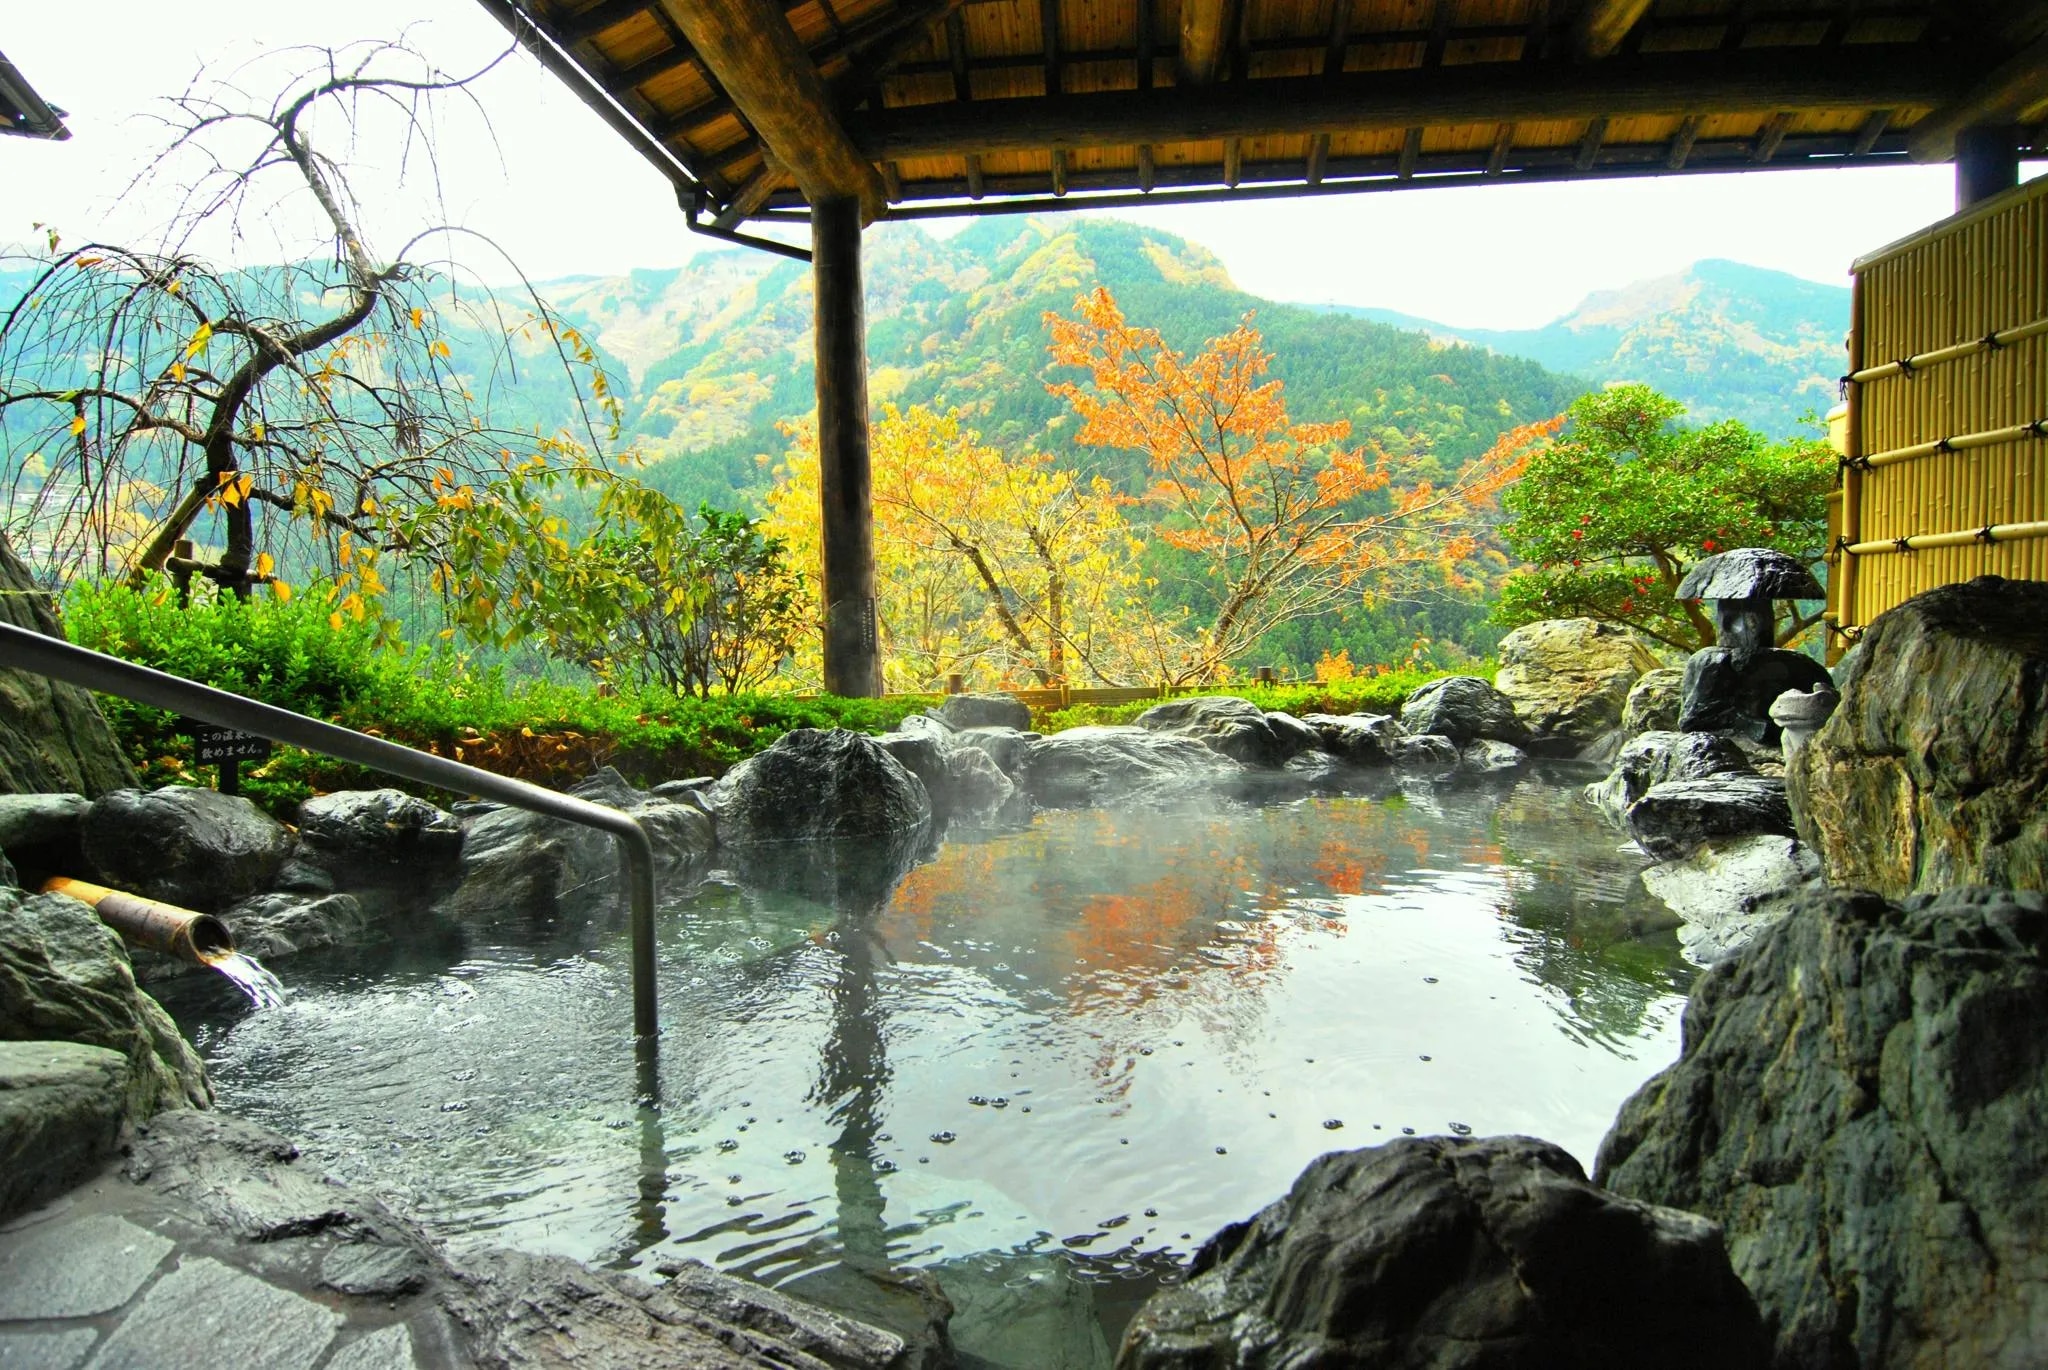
[(295, 656), (298, 656)]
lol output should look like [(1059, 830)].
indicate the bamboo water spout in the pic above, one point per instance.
[(199, 938)]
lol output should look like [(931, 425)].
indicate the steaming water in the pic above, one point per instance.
[(1048, 1065), (250, 976)]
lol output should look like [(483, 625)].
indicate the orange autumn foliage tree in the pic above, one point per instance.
[(1280, 519)]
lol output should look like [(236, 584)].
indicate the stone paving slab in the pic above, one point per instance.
[(72, 1269), (205, 1314), (211, 1247), (44, 1350)]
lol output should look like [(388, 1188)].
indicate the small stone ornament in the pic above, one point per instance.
[(1731, 686)]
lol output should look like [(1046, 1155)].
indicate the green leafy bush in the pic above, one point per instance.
[(298, 656)]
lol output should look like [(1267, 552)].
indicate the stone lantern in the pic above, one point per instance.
[(1730, 686)]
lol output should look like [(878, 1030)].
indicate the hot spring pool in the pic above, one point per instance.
[(1048, 1065)]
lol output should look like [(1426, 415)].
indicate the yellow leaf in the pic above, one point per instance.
[(256, 432), (334, 622), (265, 563), (417, 317), (178, 372), (78, 425), (200, 337), (282, 590)]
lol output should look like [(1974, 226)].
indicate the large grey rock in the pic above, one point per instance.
[(53, 737), (1653, 758), (1484, 756), (375, 837), (1483, 1254), (1728, 892), (515, 862), (1361, 739), (198, 849), (1674, 819), (1933, 771), (1569, 677), (1232, 727), (1463, 708), (818, 786), (1653, 702), (1004, 746), (1428, 754), (61, 1109), (959, 780), (42, 834), (984, 711), (65, 977), (1088, 766), (1732, 691), (1862, 1102)]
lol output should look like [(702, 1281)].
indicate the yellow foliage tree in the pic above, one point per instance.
[(1004, 569), (1278, 519)]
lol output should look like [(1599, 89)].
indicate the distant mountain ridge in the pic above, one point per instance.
[(1728, 339), (719, 351)]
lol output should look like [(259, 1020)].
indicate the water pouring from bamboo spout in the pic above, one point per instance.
[(199, 938)]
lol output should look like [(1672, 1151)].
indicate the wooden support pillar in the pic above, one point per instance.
[(1987, 161), (853, 656)]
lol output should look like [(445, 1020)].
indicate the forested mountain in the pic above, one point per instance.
[(1727, 340), (719, 352)]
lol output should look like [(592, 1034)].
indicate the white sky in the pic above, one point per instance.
[(563, 194)]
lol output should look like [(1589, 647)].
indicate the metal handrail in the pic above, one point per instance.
[(23, 649)]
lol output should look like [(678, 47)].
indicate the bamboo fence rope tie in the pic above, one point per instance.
[(1962, 537), (1962, 442), (1914, 365)]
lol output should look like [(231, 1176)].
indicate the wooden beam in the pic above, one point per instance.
[(1589, 146), (1148, 21), (1439, 34), (1147, 172), (1411, 153), (1503, 144), (1772, 135), (752, 195), (1682, 141), (1603, 24), (1872, 130), (1338, 41), (2003, 97), (974, 181), (1318, 158), (956, 54), (853, 658), (1856, 77), (1233, 160), (1059, 172), (579, 28), (1049, 40), (751, 49), (1204, 25), (878, 46)]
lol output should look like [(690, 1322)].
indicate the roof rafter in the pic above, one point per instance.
[(2003, 97), (1492, 93), (1603, 24)]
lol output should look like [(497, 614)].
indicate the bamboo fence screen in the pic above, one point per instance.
[(1945, 453)]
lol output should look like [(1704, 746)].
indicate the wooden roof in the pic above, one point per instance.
[(24, 112), (755, 107)]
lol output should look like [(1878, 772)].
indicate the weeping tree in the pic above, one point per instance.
[(160, 413)]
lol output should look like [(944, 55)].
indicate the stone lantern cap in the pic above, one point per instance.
[(1750, 573)]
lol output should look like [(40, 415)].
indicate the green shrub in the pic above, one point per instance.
[(296, 656)]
